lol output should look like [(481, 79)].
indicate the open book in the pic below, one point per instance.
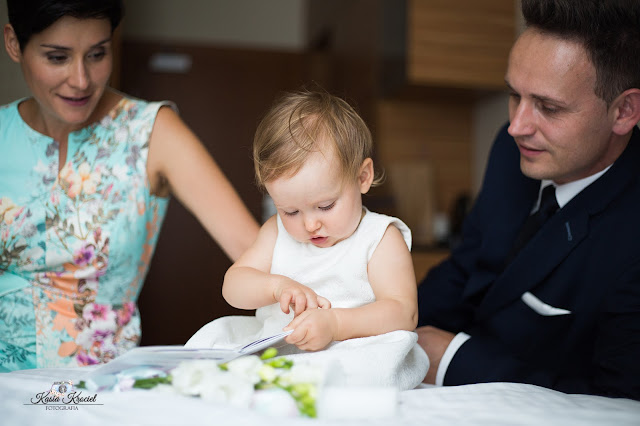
[(168, 357)]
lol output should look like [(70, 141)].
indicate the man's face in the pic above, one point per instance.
[(563, 130)]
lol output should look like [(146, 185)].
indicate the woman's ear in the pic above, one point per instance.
[(11, 43), (627, 111), (365, 176)]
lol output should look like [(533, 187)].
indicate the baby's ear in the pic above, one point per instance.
[(365, 176)]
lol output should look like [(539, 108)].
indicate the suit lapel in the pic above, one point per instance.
[(561, 233), (536, 260)]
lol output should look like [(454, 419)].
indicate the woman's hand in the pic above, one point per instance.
[(314, 329), (290, 293)]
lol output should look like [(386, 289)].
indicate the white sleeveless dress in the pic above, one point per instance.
[(338, 273)]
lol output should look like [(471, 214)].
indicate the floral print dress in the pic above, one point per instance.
[(76, 244)]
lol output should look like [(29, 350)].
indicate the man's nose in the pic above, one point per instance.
[(521, 120)]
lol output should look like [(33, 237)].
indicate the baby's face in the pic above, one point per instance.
[(316, 205)]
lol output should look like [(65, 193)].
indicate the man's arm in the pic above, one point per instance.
[(616, 370)]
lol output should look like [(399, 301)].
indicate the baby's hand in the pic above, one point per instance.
[(313, 329), (300, 297)]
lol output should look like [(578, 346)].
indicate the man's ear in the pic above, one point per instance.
[(365, 175), (627, 111), (11, 43)]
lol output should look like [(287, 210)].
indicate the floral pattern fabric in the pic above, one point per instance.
[(75, 244)]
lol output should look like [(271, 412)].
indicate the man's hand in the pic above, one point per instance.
[(434, 342), (313, 329), (299, 297)]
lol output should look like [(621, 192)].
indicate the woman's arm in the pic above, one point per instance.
[(248, 284), (178, 162), (393, 282)]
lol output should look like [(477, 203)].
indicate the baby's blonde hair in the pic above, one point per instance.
[(298, 124)]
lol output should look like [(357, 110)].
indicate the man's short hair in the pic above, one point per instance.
[(609, 30)]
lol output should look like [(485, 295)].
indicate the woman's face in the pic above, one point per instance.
[(67, 67)]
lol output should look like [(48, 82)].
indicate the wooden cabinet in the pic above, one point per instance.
[(416, 70), (459, 43)]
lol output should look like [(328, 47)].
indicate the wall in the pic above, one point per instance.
[(277, 24), (12, 84), (489, 114)]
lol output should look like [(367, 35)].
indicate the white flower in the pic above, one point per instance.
[(227, 388), (188, 376), (206, 379), (246, 367), (267, 373)]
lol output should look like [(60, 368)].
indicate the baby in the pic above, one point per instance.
[(337, 274)]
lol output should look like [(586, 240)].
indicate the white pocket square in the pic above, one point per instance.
[(542, 308)]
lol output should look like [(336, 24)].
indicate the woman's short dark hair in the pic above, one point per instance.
[(29, 17), (609, 30)]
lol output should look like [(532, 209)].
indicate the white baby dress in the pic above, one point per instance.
[(338, 273)]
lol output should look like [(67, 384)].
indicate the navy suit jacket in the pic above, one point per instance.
[(584, 260)]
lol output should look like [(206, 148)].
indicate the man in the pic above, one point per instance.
[(560, 307)]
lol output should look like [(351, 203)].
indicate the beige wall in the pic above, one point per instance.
[(12, 85), (275, 24), (489, 114)]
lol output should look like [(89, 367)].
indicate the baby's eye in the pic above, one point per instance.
[(329, 207), (291, 213)]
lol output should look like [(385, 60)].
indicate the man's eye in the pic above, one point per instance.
[(549, 109)]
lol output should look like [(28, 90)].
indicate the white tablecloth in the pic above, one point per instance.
[(481, 404)]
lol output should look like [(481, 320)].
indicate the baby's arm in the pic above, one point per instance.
[(248, 284), (393, 282)]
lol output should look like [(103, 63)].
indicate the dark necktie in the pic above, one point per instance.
[(548, 206)]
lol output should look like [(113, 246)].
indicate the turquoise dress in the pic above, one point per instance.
[(76, 244)]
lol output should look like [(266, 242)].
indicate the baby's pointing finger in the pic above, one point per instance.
[(324, 303), (297, 335)]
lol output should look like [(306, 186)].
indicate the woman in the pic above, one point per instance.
[(85, 173)]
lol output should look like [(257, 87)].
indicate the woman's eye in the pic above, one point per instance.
[(96, 56), (329, 207), (56, 59)]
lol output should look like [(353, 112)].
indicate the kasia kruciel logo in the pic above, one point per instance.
[(63, 396)]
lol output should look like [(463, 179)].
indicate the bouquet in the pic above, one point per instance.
[(267, 383)]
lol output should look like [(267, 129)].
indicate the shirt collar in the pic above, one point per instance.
[(565, 192)]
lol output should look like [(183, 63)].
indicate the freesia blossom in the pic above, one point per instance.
[(226, 387), (187, 377), (246, 367)]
